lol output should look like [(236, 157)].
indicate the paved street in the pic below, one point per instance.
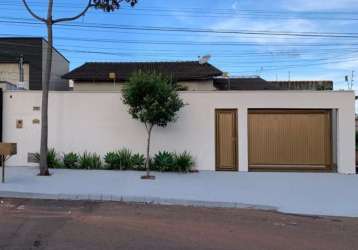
[(41, 224)]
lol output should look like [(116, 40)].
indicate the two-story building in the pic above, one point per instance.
[(23, 61)]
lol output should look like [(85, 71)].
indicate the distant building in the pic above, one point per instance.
[(257, 83), (96, 76), (23, 61)]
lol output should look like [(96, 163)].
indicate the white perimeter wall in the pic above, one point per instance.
[(99, 122)]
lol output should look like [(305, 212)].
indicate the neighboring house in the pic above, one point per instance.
[(257, 83), (23, 60), (110, 76)]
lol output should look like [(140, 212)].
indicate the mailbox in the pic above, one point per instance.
[(6, 151)]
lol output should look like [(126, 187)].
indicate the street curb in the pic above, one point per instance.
[(133, 199)]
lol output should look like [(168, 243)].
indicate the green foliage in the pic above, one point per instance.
[(53, 159), (152, 98), (172, 162), (125, 156), (138, 162), (121, 159), (112, 160), (111, 5), (164, 161), (184, 162), (71, 160), (90, 161)]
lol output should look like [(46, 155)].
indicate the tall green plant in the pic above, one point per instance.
[(90, 161), (184, 162), (53, 159), (70, 160), (153, 100)]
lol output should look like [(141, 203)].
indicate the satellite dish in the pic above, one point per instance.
[(204, 59)]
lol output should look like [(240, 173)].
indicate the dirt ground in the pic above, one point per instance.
[(41, 224)]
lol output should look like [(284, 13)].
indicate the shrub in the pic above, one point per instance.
[(184, 162), (164, 161), (125, 156), (122, 159), (90, 161), (71, 160), (112, 160), (138, 162), (53, 161)]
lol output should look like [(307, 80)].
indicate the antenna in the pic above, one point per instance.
[(350, 82), (204, 59)]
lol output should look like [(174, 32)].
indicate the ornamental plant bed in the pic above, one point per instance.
[(122, 160)]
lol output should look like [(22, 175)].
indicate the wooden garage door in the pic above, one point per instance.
[(290, 139), (226, 139)]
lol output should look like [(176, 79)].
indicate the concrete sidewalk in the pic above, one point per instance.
[(302, 193)]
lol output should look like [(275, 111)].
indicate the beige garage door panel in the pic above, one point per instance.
[(293, 138)]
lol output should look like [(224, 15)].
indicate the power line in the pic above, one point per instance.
[(192, 10), (199, 30)]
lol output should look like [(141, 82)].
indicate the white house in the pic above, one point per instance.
[(224, 130)]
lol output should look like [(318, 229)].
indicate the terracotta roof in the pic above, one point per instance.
[(180, 71)]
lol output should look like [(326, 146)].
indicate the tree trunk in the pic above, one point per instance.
[(45, 89), (147, 167)]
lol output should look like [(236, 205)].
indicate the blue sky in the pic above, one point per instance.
[(272, 57)]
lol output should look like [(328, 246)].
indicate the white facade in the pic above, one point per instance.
[(99, 122), (117, 86)]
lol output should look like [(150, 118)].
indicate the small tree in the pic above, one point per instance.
[(153, 100)]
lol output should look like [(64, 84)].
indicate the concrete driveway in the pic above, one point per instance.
[(301, 193)]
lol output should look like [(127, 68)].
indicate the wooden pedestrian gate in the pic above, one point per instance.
[(226, 139)]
